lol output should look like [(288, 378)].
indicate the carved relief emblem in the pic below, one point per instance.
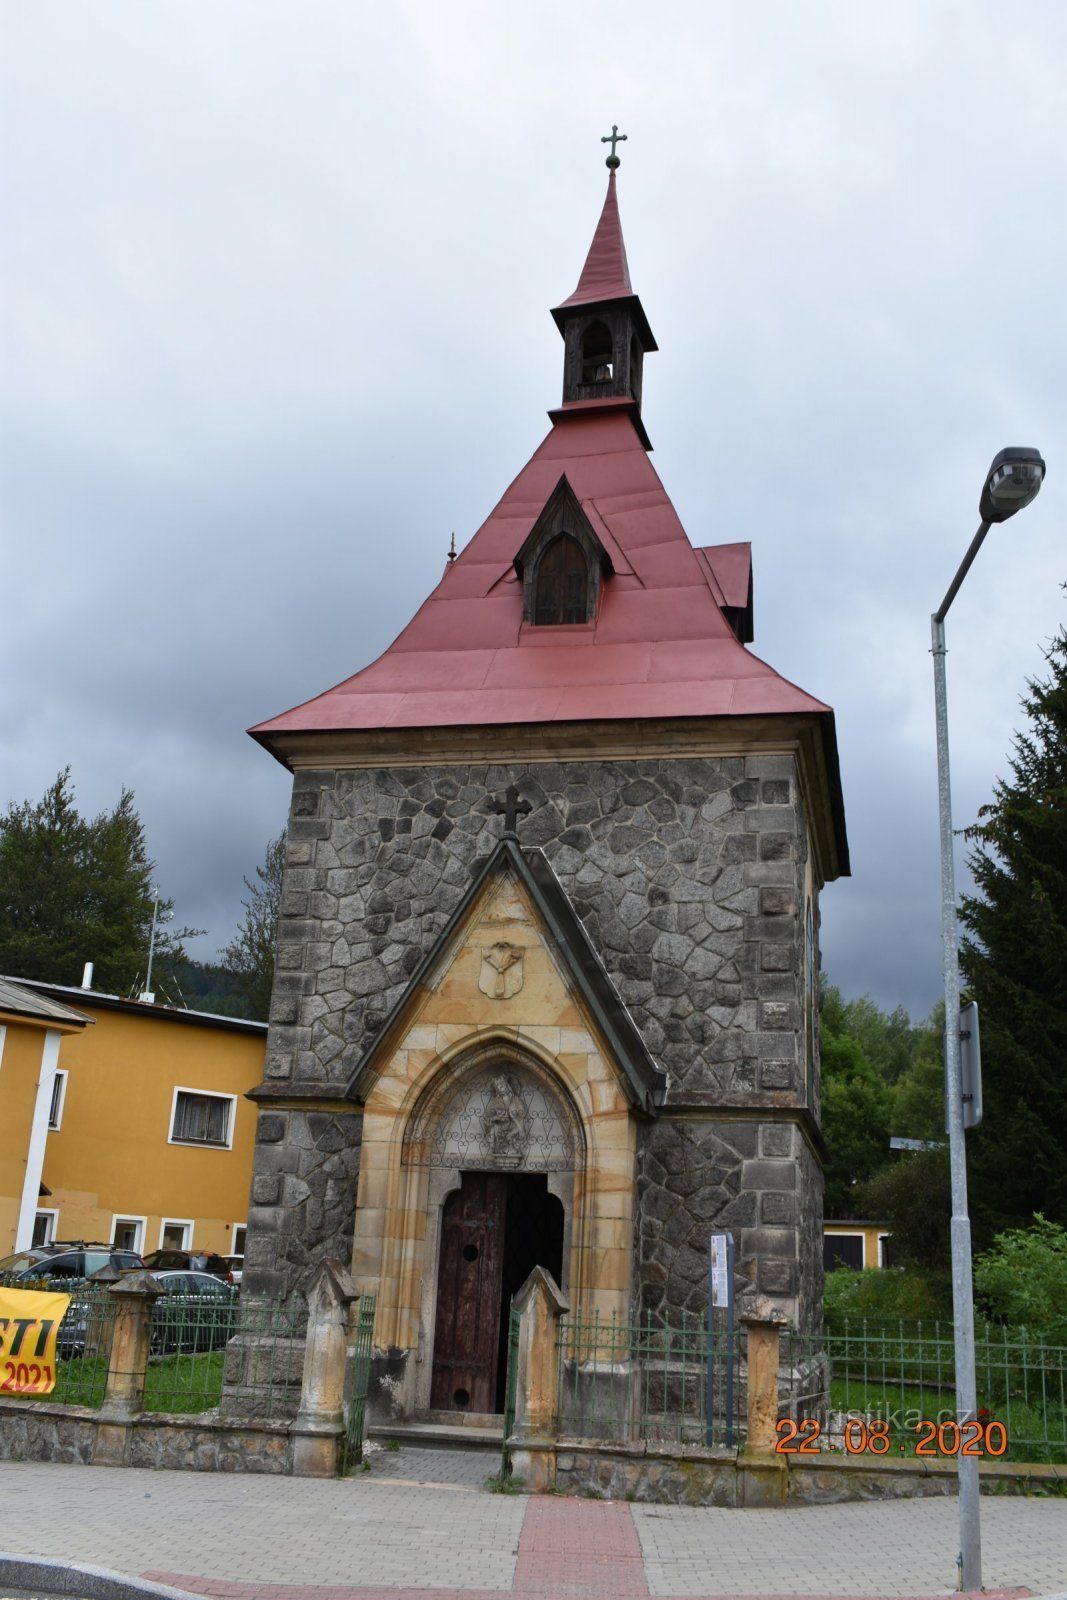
[(501, 972), (506, 1120)]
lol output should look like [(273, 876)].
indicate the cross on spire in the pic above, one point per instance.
[(613, 138), (511, 808)]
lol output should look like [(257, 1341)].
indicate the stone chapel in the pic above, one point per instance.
[(546, 983)]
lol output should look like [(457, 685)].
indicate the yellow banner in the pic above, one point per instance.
[(29, 1322)]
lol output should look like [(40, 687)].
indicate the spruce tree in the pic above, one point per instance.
[(1014, 958), (76, 889), (249, 957)]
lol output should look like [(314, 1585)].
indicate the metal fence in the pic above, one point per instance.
[(641, 1381), (188, 1344), (891, 1391), (357, 1382), (83, 1341)]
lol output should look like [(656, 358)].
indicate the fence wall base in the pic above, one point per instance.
[(110, 1443), (40, 1431), (315, 1450), (763, 1480), (666, 1476), (534, 1462)]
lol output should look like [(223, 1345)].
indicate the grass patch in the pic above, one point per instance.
[(184, 1383), (1035, 1433), (504, 1483)]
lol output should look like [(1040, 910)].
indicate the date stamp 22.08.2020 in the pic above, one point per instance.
[(872, 1436)]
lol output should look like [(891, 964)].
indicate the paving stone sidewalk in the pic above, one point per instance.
[(418, 1523)]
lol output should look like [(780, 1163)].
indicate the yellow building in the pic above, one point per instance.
[(856, 1244), (122, 1121)]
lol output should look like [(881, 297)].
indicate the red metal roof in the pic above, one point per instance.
[(658, 647), (606, 275), (605, 278)]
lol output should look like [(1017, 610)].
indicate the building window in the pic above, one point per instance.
[(562, 592), (59, 1094), (44, 1227), (175, 1234), (240, 1233), (842, 1250), (127, 1233), (202, 1118)]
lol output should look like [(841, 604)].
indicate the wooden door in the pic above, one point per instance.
[(469, 1287)]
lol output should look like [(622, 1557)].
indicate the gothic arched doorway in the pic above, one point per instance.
[(504, 1143), (495, 1228)]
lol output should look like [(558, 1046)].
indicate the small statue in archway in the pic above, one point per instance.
[(506, 1121)]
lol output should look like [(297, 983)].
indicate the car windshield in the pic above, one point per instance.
[(20, 1261)]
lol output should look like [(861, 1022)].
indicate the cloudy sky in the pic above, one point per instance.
[(276, 279)]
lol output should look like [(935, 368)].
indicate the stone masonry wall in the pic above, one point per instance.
[(302, 1206), (688, 876), (759, 1180)]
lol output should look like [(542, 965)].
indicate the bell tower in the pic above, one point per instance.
[(605, 331)]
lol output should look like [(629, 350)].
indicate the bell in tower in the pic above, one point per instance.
[(605, 330)]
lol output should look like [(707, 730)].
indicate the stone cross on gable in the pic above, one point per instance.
[(511, 808)]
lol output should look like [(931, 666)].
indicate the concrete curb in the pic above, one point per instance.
[(31, 1573)]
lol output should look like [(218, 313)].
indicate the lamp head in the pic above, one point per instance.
[(1011, 482)]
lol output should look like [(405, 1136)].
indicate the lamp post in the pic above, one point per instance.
[(1011, 483)]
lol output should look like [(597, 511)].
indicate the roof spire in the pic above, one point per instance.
[(613, 138), (606, 275)]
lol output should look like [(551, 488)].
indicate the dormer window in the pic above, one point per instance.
[(561, 587), (598, 353), (562, 564)]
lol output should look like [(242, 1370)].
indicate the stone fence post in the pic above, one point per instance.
[(764, 1474), (134, 1296), (318, 1428), (541, 1306)]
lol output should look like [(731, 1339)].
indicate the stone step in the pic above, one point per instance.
[(444, 1431)]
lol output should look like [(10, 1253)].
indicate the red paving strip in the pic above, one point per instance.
[(580, 1547)]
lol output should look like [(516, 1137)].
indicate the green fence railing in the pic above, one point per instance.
[(358, 1384), (188, 1343), (83, 1341), (643, 1381), (891, 1391), (511, 1386)]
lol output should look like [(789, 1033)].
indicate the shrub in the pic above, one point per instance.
[(1021, 1280), (890, 1292)]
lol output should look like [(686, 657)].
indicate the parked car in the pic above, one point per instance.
[(73, 1260), (196, 1311), (68, 1266), (171, 1260), (237, 1267)]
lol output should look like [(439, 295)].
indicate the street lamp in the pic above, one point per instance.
[(1011, 483)]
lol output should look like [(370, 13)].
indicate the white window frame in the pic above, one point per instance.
[(187, 1224), (59, 1099), (235, 1228), (883, 1238), (203, 1094), (141, 1225), (52, 1213), (850, 1233)]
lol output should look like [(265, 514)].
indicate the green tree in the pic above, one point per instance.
[(913, 1196), (250, 956), (919, 1093), (76, 889), (855, 1110), (1014, 958), (1022, 1279)]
